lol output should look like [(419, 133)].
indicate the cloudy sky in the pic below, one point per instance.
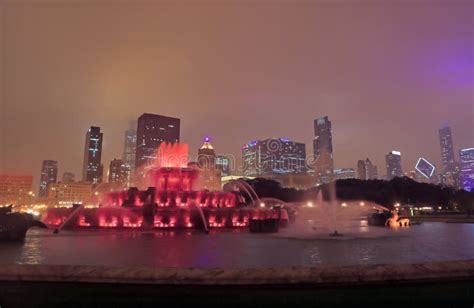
[(389, 74)]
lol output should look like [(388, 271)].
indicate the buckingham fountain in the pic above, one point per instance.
[(170, 201)]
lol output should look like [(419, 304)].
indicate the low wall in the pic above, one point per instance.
[(329, 276)]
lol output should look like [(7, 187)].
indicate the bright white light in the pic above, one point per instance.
[(310, 204), (262, 204), (344, 204), (396, 153), (432, 169), (362, 204)]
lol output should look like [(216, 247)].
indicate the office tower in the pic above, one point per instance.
[(92, 168), (361, 170), (394, 164), (467, 168), (152, 130), (129, 153), (15, 189), (68, 177), (447, 149), (344, 174), (322, 150), (118, 172), (206, 155), (273, 156), (49, 174), (366, 170), (223, 163), (371, 170)]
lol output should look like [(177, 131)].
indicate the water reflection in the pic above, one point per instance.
[(238, 248), (31, 250)]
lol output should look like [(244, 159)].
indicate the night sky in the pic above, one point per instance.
[(388, 74)]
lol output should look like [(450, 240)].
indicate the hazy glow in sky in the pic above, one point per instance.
[(387, 73)]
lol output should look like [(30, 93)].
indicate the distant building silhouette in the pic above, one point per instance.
[(49, 174), (467, 168), (394, 164), (68, 177), (152, 130), (323, 150), (92, 169), (366, 170)]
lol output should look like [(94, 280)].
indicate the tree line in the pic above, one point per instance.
[(401, 190)]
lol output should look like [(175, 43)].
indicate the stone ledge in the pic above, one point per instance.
[(314, 276)]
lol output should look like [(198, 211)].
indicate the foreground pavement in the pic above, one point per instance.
[(447, 284)]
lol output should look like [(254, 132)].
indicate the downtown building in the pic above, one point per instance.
[(270, 157), (15, 189), (49, 174), (67, 194), (129, 153), (447, 150), (208, 175), (323, 150), (366, 170), (393, 161), (224, 164), (92, 168), (152, 130), (118, 172), (344, 174), (451, 173), (467, 168), (68, 177)]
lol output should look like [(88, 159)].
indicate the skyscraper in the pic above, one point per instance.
[(273, 156), (451, 175), (152, 130), (447, 149), (92, 168), (366, 170), (49, 174), (322, 150), (206, 155), (467, 168), (117, 172), (394, 164), (129, 153), (371, 170)]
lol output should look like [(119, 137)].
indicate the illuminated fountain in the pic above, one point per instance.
[(168, 199), (328, 216)]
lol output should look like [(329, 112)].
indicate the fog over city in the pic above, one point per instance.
[(235, 71)]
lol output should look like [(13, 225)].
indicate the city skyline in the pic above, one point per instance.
[(232, 101)]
